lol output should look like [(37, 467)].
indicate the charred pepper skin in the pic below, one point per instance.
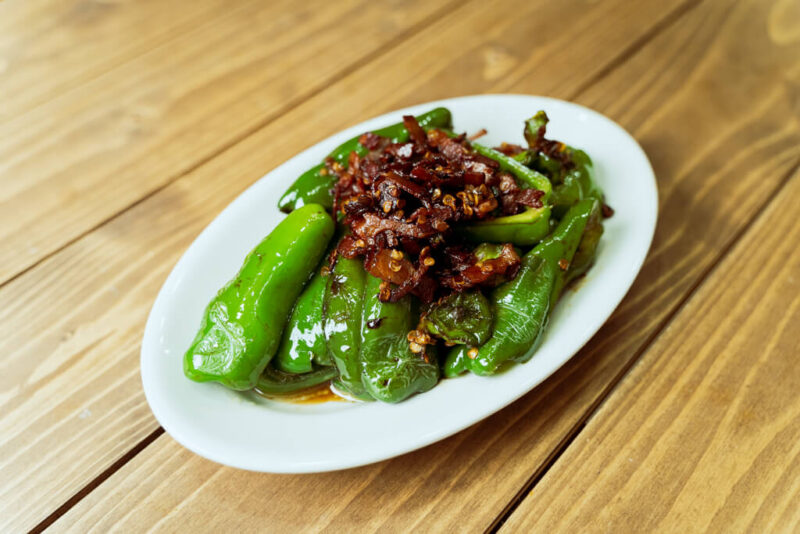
[(522, 306), (303, 343), (342, 305), (464, 317), (242, 325), (314, 185), (276, 382), (390, 371)]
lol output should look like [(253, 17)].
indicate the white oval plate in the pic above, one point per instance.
[(245, 431)]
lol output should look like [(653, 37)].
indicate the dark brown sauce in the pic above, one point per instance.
[(316, 395)]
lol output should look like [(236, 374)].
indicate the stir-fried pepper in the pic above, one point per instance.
[(406, 279)]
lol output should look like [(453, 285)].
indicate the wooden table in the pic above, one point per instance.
[(126, 126)]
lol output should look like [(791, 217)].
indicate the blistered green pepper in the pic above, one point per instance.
[(573, 183), (391, 372), (314, 185), (533, 128), (548, 166), (276, 382), (242, 325), (587, 248), (523, 305), (303, 343), (523, 229), (526, 177), (578, 184), (456, 361), (342, 305), (463, 317)]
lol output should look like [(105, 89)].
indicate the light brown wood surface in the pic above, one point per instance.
[(77, 160), (51, 46), (710, 89), (704, 433), (93, 348)]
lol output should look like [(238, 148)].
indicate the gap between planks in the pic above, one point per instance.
[(405, 35), (673, 17), (562, 447), (95, 482)]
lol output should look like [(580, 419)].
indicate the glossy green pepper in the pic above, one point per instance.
[(341, 309), (242, 325), (572, 185), (314, 185), (489, 251), (548, 166), (578, 184), (276, 382), (526, 177), (456, 361), (391, 372), (303, 343), (464, 317), (587, 248), (533, 128), (522, 306), (523, 229)]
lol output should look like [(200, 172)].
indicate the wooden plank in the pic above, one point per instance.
[(73, 162), (486, 465), (704, 434), (71, 380), (48, 47), (707, 173)]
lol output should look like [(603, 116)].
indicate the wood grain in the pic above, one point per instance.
[(704, 435), (71, 380), (48, 47), (706, 184), (73, 162)]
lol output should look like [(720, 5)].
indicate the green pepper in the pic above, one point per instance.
[(526, 177), (571, 186), (456, 361), (489, 251), (276, 382), (550, 167), (533, 126), (523, 229), (587, 248), (303, 342), (463, 317), (391, 372), (577, 185), (523, 305), (341, 310), (242, 325), (314, 185)]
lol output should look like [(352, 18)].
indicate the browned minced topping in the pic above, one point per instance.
[(401, 201)]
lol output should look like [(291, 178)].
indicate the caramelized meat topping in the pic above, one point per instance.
[(401, 201)]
